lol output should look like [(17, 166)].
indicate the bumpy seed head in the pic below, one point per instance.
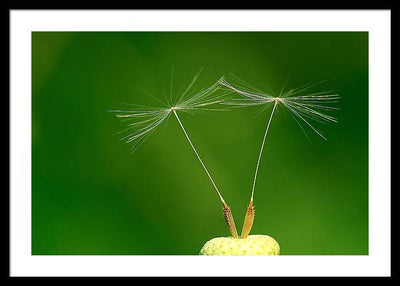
[(252, 245)]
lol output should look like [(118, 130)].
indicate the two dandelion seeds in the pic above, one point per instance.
[(304, 106)]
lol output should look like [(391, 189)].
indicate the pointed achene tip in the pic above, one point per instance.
[(229, 220), (248, 220)]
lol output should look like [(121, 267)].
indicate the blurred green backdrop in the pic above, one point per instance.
[(90, 195)]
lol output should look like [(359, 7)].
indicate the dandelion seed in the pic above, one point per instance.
[(302, 105), (147, 120)]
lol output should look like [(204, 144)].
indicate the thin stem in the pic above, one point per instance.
[(198, 156), (261, 149)]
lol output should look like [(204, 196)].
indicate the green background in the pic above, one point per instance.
[(90, 195)]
